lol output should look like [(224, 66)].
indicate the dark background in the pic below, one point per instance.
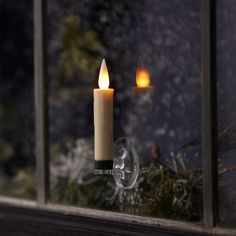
[(164, 35)]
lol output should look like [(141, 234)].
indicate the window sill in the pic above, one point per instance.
[(29, 218)]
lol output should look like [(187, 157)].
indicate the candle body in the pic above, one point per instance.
[(103, 128)]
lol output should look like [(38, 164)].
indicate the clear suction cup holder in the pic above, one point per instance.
[(125, 164)]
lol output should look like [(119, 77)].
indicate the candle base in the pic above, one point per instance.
[(103, 164)]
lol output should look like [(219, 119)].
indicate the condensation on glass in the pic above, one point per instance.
[(162, 121), (226, 72), (17, 161)]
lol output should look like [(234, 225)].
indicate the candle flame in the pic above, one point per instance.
[(142, 77), (103, 79)]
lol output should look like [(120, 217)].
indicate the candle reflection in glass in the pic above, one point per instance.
[(141, 115)]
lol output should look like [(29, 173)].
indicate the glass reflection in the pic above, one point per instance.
[(164, 119), (226, 51), (17, 162)]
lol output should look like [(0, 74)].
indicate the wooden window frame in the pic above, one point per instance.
[(44, 218)]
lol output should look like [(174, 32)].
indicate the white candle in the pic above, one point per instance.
[(103, 121)]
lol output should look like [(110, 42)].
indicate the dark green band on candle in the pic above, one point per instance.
[(104, 165)]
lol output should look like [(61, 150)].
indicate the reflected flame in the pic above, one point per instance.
[(103, 79), (142, 77)]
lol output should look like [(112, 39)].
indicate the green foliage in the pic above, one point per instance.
[(81, 52), (22, 185), (89, 195), (176, 195), (161, 191), (72, 178), (170, 190), (6, 151), (25, 181)]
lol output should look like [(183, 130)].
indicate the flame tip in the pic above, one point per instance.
[(103, 80)]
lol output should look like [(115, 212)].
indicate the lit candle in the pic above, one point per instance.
[(103, 121)]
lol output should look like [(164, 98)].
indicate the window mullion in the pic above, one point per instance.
[(209, 111), (41, 101)]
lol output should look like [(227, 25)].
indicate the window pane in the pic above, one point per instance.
[(17, 162), (226, 72), (164, 121)]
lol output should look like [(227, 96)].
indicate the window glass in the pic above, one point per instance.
[(164, 121), (17, 161), (226, 51)]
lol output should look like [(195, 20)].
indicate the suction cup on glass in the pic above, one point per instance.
[(125, 164)]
